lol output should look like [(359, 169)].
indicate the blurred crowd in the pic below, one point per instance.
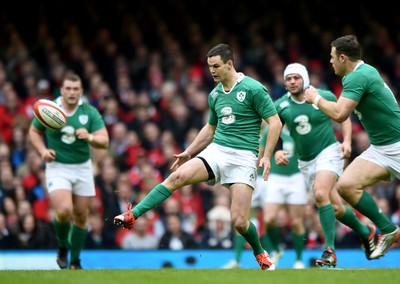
[(144, 68)]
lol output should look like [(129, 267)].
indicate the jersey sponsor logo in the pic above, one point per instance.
[(303, 124), (214, 95), (241, 96), (284, 104), (68, 135), (83, 119)]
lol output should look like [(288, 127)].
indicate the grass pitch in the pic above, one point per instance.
[(201, 276)]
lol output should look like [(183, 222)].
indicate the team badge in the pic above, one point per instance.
[(241, 96), (83, 119), (252, 177)]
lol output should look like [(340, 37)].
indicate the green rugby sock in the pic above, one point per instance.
[(155, 197), (328, 221), (266, 242), (238, 246), (299, 242), (273, 235), (78, 237), (368, 207), (350, 219), (62, 233), (253, 239)]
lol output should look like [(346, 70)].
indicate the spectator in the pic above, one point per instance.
[(191, 208), (35, 235), (140, 238), (219, 233), (98, 237), (12, 114), (8, 240), (9, 209), (175, 238)]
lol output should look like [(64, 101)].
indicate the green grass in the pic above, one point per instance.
[(200, 276)]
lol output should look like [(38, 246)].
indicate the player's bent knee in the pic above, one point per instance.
[(175, 181), (240, 224)]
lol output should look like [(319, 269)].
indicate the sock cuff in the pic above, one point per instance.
[(163, 190), (325, 207), (79, 230)]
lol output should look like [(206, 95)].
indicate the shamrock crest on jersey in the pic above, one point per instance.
[(241, 96)]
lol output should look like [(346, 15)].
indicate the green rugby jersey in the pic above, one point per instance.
[(238, 113), (311, 129), (377, 109), (69, 149)]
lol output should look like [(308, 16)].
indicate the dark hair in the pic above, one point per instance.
[(72, 77), (349, 46), (222, 50)]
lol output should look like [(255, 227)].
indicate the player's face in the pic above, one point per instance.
[(294, 84), (71, 91), (218, 68), (337, 65)]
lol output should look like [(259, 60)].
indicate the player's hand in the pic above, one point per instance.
[(266, 165), (309, 94), (180, 160), (281, 158), (48, 155), (345, 148), (82, 134)]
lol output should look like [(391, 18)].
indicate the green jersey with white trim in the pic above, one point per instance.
[(69, 149), (311, 129), (289, 146), (377, 109), (238, 113)]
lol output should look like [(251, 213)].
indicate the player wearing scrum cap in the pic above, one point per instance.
[(321, 158)]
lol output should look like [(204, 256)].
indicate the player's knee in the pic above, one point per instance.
[(81, 218), (298, 226), (239, 223), (344, 190), (63, 213), (339, 210), (320, 196), (175, 180), (269, 221)]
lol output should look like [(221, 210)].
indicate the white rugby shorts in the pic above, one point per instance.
[(76, 177)]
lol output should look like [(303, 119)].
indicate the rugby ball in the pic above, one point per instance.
[(50, 114)]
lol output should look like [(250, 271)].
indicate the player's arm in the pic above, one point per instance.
[(279, 144), (274, 132), (202, 140), (37, 140), (346, 133), (98, 139), (279, 153), (338, 111)]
